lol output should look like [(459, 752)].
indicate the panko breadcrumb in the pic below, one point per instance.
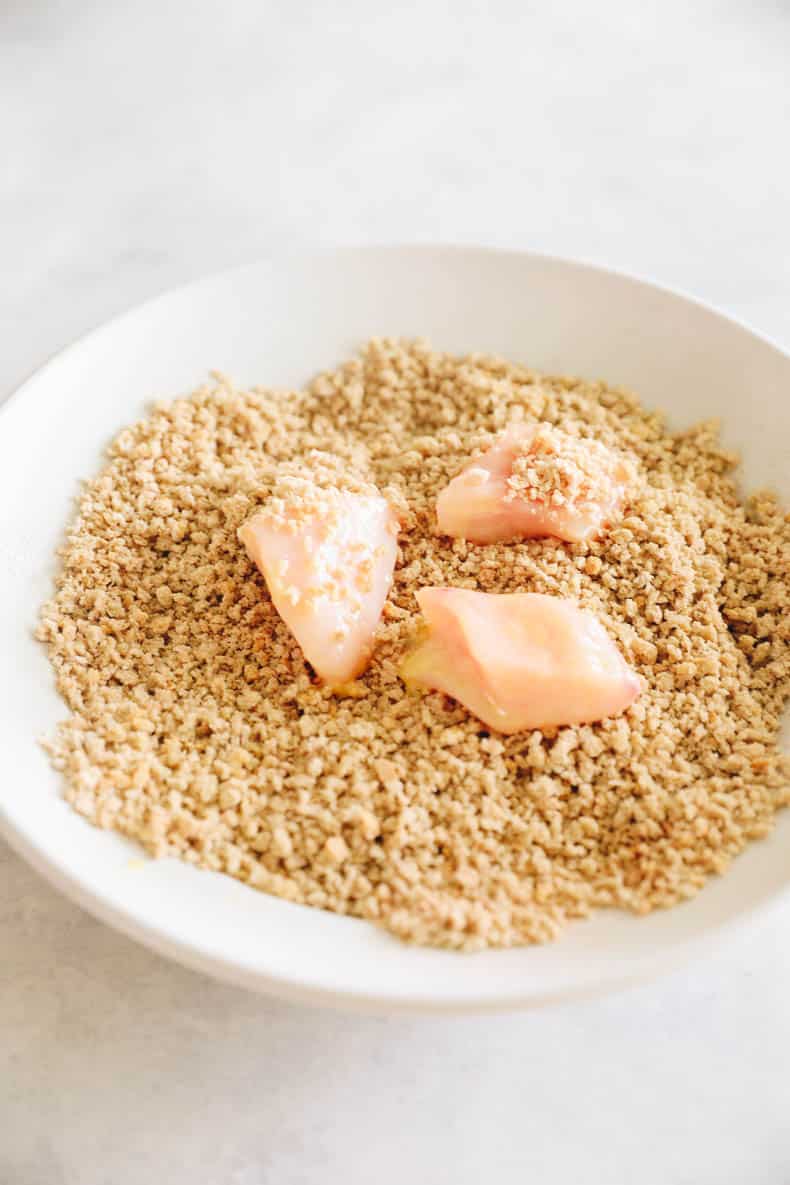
[(554, 467), (197, 729)]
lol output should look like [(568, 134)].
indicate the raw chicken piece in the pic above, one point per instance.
[(534, 480), (519, 660), (327, 558)]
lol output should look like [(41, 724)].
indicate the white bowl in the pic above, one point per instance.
[(277, 322)]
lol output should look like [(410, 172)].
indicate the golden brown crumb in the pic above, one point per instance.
[(307, 487), (556, 467), (195, 726)]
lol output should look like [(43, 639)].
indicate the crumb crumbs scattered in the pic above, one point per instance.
[(561, 469), (309, 487), (195, 727)]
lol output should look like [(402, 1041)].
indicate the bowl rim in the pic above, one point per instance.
[(282, 255)]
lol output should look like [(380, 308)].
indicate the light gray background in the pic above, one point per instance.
[(146, 143)]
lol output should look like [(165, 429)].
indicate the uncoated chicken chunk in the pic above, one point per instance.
[(519, 660)]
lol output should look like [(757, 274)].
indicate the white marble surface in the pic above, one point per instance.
[(147, 143)]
